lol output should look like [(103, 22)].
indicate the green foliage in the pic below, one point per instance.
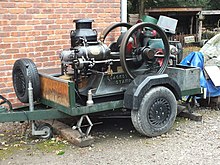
[(208, 34), (52, 146), (177, 3), (134, 6), (214, 5)]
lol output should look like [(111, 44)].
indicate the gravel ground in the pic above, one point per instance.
[(188, 142)]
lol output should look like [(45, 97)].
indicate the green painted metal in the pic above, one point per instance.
[(58, 111), (2, 109), (75, 110), (22, 114), (46, 114), (99, 107), (194, 91), (111, 105), (72, 94), (54, 105), (40, 114)]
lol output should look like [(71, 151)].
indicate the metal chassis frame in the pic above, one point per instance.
[(58, 111)]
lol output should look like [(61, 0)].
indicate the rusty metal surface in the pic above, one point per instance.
[(55, 90)]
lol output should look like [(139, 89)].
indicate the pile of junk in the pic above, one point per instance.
[(208, 60)]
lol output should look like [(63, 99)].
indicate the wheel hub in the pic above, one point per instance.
[(20, 82), (159, 112)]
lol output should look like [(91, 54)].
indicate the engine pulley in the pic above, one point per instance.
[(136, 55)]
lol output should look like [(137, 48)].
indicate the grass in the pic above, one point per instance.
[(8, 150), (189, 49), (54, 145), (50, 146)]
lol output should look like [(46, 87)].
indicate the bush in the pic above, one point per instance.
[(208, 34)]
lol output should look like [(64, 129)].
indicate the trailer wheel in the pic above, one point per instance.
[(157, 112), (20, 79), (47, 128)]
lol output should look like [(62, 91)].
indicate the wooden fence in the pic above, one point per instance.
[(181, 38)]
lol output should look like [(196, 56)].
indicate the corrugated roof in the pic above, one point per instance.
[(210, 12), (171, 9)]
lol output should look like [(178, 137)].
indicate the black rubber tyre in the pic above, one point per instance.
[(48, 130), (157, 112), (20, 79)]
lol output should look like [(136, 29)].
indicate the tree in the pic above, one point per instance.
[(138, 6), (214, 5), (142, 7), (178, 3)]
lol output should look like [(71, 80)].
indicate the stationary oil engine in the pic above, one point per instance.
[(121, 69), (106, 71), (85, 49)]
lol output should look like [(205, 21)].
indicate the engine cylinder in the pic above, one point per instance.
[(86, 51), (83, 30)]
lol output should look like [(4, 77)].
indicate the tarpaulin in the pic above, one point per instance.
[(196, 59)]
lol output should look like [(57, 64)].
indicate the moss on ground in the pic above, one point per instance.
[(51, 146), (54, 145)]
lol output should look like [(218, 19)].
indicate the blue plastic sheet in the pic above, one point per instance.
[(196, 59)]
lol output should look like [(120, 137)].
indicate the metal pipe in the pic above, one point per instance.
[(124, 13), (89, 102), (31, 99), (30, 91), (30, 94)]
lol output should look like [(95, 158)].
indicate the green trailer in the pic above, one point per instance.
[(105, 76)]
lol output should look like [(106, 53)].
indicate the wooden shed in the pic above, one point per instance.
[(187, 17)]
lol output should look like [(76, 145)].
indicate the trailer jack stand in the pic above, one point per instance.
[(44, 130), (34, 130), (79, 126)]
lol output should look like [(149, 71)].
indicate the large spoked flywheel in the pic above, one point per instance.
[(110, 34), (144, 50), (113, 27)]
